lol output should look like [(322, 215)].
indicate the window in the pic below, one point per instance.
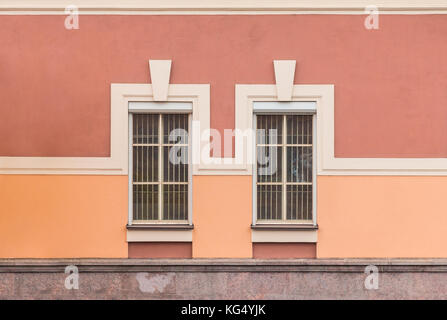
[(160, 185), (285, 168)]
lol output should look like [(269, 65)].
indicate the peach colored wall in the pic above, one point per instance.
[(222, 213), (63, 216), (393, 217), (390, 89)]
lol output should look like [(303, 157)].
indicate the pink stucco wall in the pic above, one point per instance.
[(390, 95)]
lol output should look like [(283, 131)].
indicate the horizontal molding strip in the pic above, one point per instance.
[(222, 265), (220, 6)]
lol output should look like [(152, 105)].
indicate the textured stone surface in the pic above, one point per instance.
[(223, 285), (223, 279)]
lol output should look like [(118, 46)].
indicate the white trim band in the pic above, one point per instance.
[(158, 107), (221, 6), (290, 106), (291, 236), (159, 235)]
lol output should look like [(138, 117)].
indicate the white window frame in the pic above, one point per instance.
[(121, 95), (303, 107), (323, 95), (159, 108)]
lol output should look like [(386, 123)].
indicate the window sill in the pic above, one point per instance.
[(159, 233), (165, 226), (284, 226), (268, 233)]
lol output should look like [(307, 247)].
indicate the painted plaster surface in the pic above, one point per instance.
[(63, 216), (394, 217), (390, 94)]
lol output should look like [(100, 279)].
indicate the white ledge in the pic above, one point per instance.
[(159, 235), (290, 236), (223, 6)]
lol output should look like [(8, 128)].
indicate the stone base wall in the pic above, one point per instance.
[(222, 279)]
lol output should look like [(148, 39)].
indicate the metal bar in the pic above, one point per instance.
[(138, 170), (152, 169), (130, 169), (160, 168), (307, 169), (302, 166), (279, 145), (189, 172), (284, 170), (155, 183), (147, 167), (178, 178), (286, 183), (314, 170), (255, 172)]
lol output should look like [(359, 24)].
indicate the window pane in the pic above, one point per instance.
[(175, 202), (299, 129), (147, 183), (299, 202), (295, 178), (299, 164), (269, 129), (145, 202), (145, 128), (175, 164), (269, 160), (269, 202), (145, 164), (175, 128)]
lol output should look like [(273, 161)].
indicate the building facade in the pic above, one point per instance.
[(287, 133)]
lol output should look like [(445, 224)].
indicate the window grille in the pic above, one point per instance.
[(284, 176), (160, 184)]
